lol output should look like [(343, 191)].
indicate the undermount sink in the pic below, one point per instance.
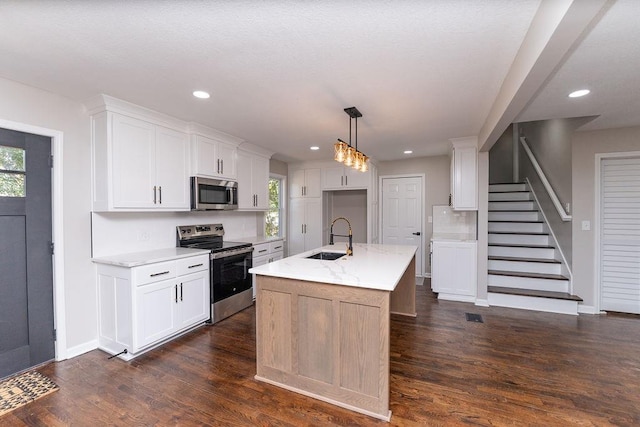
[(328, 256)]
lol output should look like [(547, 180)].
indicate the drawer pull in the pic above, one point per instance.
[(264, 250), (278, 247), (195, 265), (159, 274)]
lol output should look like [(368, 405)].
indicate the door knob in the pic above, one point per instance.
[(417, 233)]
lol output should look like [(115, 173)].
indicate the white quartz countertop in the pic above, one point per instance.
[(256, 240), (135, 259), (372, 266)]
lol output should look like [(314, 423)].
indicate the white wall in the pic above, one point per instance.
[(585, 146), (34, 107)]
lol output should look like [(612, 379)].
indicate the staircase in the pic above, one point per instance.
[(525, 270)]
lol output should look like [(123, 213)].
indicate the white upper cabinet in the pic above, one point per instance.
[(138, 165), (212, 158), (344, 178), (305, 183), (464, 174), (253, 181)]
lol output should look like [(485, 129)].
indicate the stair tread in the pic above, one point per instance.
[(521, 245), (528, 275), (517, 221), (509, 191), (523, 259), (533, 233), (510, 210), (533, 293)]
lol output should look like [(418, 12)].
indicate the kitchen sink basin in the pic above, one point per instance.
[(328, 256)]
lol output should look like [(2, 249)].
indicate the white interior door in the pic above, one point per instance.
[(402, 214), (620, 235)]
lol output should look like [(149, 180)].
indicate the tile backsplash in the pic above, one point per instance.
[(450, 224)]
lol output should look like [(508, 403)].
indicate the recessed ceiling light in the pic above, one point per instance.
[(579, 93), (314, 148), (408, 152), (201, 94)]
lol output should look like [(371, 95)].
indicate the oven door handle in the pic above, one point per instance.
[(233, 252)]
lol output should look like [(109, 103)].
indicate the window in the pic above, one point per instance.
[(12, 172), (274, 221)]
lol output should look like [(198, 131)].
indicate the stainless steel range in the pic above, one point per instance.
[(229, 264)]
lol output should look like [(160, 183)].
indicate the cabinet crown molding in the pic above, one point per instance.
[(255, 149), (467, 141), (208, 132), (104, 102)]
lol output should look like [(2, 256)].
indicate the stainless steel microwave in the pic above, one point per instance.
[(213, 194)]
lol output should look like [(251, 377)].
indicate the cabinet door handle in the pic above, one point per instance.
[(180, 291), (342, 180), (346, 180), (302, 229), (195, 265), (159, 274), (160, 191), (222, 166), (417, 233), (176, 289), (218, 166), (154, 194)]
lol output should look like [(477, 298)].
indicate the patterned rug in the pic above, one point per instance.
[(22, 389)]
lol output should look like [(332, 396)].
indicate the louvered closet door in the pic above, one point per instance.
[(620, 235)]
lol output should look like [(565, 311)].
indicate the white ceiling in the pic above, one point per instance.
[(281, 72)]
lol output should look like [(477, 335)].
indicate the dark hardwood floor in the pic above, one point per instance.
[(516, 368)]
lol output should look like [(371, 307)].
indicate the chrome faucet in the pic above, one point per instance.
[(350, 247)]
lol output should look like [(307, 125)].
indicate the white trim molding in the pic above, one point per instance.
[(599, 157), (59, 313)]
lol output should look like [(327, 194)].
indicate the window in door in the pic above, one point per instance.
[(274, 218), (12, 172)]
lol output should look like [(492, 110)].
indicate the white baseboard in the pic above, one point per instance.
[(82, 349), (587, 309), (454, 297), (482, 302)]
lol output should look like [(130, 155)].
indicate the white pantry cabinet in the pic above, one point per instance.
[(464, 174), (453, 269), (212, 158), (344, 178), (305, 219), (305, 183), (143, 306), (253, 181), (138, 165)]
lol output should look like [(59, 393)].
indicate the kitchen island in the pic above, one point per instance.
[(322, 326)]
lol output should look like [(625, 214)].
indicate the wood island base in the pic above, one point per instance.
[(329, 342)]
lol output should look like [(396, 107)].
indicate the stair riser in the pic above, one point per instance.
[(528, 283), (509, 196), (507, 187), (544, 253), (517, 227), (533, 303), (524, 267), (514, 216), (521, 239), (511, 206)]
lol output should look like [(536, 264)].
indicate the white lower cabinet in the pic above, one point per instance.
[(453, 270), (264, 253), (141, 307)]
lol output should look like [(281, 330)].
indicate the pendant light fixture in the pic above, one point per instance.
[(345, 153)]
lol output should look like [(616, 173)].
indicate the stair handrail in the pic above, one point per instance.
[(552, 194)]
